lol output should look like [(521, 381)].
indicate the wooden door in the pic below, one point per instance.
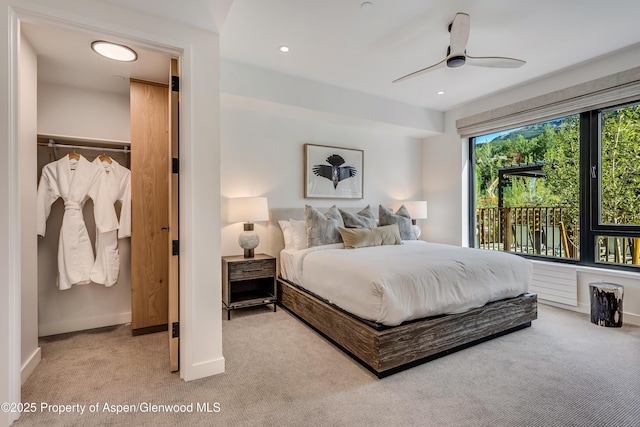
[(149, 206), (173, 249)]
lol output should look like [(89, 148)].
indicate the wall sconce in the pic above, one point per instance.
[(417, 210), (248, 210)]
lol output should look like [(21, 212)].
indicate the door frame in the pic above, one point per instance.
[(199, 62), (174, 54)]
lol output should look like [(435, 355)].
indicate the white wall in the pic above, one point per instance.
[(262, 155), (28, 124), (10, 252), (69, 111), (267, 118), (86, 114), (445, 162), (442, 180), (303, 98)]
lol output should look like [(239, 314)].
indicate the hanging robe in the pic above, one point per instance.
[(75, 181), (115, 186)]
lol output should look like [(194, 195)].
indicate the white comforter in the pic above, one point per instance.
[(395, 283)]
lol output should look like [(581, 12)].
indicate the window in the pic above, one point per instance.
[(528, 189), (566, 189), (619, 166), (615, 178)]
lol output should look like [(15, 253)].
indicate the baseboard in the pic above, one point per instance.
[(580, 308), (202, 369), (627, 318), (30, 365), (630, 319), (81, 324)]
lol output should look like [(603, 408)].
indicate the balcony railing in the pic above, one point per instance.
[(532, 230), (545, 231)]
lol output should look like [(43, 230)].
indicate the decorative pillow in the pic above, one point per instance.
[(362, 219), (364, 237), (322, 228), (401, 217), (299, 229), (287, 233)]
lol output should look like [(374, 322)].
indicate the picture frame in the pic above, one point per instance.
[(333, 172)]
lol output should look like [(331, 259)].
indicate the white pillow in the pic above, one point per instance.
[(287, 232), (299, 234)]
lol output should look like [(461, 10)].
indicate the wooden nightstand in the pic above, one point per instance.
[(247, 282)]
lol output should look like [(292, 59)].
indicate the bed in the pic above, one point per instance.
[(382, 326)]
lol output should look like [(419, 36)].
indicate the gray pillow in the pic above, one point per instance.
[(322, 228), (401, 217), (362, 219)]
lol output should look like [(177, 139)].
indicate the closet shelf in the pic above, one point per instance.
[(89, 142)]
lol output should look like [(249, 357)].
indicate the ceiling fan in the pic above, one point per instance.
[(457, 51)]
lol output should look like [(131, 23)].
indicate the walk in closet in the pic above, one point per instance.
[(125, 119), (82, 306)]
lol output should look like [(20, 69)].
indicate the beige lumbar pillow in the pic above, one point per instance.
[(365, 237)]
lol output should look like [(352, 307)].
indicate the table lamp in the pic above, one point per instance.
[(417, 210), (248, 210)]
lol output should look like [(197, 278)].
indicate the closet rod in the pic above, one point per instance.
[(53, 144)]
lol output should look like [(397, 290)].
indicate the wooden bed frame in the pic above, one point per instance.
[(386, 350)]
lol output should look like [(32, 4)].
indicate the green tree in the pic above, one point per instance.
[(488, 158), (620, 165), (557, 143), (562, 171)]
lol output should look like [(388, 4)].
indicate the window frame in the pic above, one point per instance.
[(595, 151), (585, 98), (590, 196)]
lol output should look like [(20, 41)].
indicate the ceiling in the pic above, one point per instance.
[(337, 42), (65, 58)]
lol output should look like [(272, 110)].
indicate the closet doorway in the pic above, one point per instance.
[(84, 100)]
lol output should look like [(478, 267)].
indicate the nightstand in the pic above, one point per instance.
[(248, 282)]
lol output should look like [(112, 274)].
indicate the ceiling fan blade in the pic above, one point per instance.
[(494, 62), (459, 30), (424, 70)]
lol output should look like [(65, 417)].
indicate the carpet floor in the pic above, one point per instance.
[(562, 371)]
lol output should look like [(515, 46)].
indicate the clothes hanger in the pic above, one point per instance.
[(104, 158), (74, 156)]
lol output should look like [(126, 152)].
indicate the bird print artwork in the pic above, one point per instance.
[(334, 171)]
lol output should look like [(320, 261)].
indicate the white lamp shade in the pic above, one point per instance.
[(248, 209), (417, 209)]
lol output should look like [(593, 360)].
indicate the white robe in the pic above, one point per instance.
[(115, 186), (75, 181)]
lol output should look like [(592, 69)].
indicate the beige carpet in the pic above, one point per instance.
[(563, 371)]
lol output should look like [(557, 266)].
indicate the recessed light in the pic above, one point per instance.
[(284, 48), (440, 92), (114, 51)]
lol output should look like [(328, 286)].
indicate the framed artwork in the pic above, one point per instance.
[(332, 172)]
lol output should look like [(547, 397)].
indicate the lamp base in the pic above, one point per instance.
[(415, 228), (248, 240), (249, 253)]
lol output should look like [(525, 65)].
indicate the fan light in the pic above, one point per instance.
[(114, 51), (455, 61)]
